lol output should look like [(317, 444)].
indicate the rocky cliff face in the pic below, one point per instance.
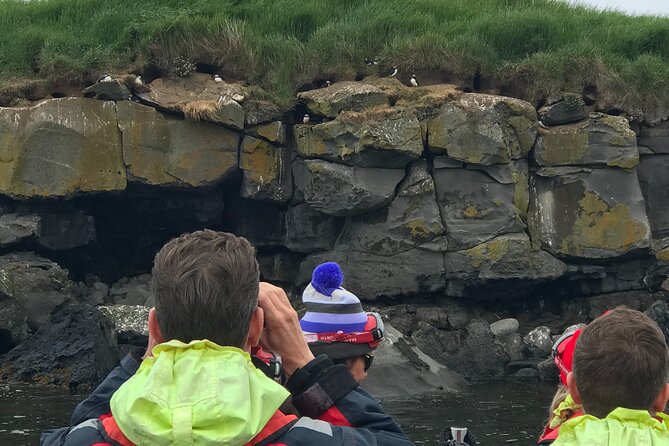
[(466, 203)]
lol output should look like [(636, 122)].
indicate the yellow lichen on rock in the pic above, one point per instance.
[(599, 227)]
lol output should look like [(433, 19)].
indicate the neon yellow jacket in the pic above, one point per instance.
[(622, 427), (196, 394)]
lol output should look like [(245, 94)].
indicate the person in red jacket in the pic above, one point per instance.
[(197, 383), (563, 406)]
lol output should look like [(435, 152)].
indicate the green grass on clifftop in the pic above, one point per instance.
[(527, 48)]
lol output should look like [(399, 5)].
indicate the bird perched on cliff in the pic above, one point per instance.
[(367, 61), (376, 61), (414, 82), (105, 78), (394, 73), (306, 119), (327, 83), (138, 81), (217, 79)]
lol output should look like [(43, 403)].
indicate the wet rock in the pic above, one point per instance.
[(15, 228), (548, 371), (165, 151), (504, 327), (108, 91), (526, 375), (66, 230), (437, 317), (513, 345), (411, 219), (196, 96), (60, 147), (601, 140), (540, 341), (341, 96), (389, 138), (654, 184), (77, 349), (507, 257), (97, 294), (13, 319), (38, 285), (477, 205), (370, 276), (596, 213), (130, 322), (655, 138), (471, 352), (133, 291), (307, 230), (266, 171), (281, 267), (340, 190), (570, 108), (402, 369), (659, 312), (483, 129)]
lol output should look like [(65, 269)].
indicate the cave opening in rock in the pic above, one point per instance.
[(6, 341)]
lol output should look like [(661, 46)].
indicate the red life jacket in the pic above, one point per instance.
[(117, 438), (550, 435)]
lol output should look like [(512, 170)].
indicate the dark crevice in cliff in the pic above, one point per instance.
[(6, 342)]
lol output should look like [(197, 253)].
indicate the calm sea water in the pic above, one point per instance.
[(500, 413)]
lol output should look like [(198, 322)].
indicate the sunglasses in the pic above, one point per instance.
[(369, 359)]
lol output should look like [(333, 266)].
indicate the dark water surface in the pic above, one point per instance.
[(499, 413)]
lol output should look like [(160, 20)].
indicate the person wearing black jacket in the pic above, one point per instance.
[(197, 385)]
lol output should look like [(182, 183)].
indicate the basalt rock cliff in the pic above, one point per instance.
[(447, 210)]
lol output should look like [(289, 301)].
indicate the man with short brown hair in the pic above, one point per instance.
[(620, 372), (197, 384)]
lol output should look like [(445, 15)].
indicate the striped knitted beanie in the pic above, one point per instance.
[(330, 308)]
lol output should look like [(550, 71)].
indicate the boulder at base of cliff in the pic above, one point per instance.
[(401, 369), (131, 323), (472, 352), (132, 291), (76, 349), (36, 284)]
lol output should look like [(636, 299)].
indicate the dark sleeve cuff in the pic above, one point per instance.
[(318, 386)]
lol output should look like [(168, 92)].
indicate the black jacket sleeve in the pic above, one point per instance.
[(331, 395)]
